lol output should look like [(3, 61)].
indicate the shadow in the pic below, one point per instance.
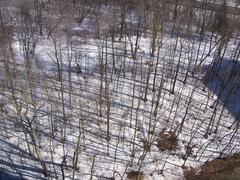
[(6, 175), (223, 79), (17, 169)]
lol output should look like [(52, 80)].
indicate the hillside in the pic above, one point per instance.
[(119, 89)]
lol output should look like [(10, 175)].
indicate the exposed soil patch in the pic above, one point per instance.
[(167, 141), (224, 168), (135, 175)]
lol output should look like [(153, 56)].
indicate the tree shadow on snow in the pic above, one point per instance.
[(223, 79), (4, 175)]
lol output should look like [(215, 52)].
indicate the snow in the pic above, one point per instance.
[(82, 118)]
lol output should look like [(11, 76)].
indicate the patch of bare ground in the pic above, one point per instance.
[(167, 141), (217, 169), (135, 175)]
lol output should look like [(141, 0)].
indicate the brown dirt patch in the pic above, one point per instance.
[(135, 175), (221, 168), (167, 141)]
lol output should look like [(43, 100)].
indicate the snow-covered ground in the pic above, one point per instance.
[(50, 107)]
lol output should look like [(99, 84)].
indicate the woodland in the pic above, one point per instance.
[(118, 89)]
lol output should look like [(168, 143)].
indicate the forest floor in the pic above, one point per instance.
[(217, 169)]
